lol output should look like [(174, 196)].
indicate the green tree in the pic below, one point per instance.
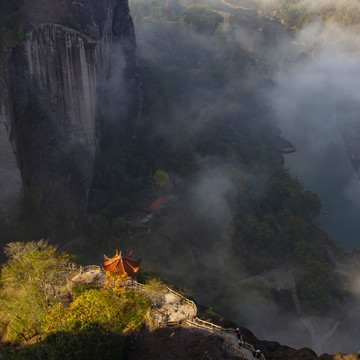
[(161, 178), (28, 282), (104, 308), (303, 203), (201, 18), (314, 276)]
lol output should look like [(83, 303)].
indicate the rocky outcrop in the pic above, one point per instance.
[(273, 350), (75, 70), (285, 146), (179, 343)]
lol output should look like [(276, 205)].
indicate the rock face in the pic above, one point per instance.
[(179, 343), (53, 88), (74, 56), (10, 177)]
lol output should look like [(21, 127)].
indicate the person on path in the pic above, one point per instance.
[(256, 354), (238, 334)]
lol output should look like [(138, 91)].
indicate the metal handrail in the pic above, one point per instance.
[(199, 323)]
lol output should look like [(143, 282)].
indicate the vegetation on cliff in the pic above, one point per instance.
[(97, 317), (28, 282), (208, 124), (209, 140), (299, 12), (10, 24)]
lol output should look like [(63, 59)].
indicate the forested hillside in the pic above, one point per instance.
[(238, 213), (82, 320), (299, 12)]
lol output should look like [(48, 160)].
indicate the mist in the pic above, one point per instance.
[(307, 97), (312, 73), (306, 102)]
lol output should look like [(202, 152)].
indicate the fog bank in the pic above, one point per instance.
[(306, 100)]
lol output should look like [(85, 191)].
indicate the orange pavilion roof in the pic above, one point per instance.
[(121, 264)]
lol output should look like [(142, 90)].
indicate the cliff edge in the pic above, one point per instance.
[(73, 57)]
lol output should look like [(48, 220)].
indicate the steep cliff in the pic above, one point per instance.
[(10, 176), (75, 55)]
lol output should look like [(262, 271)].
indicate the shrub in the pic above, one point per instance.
[(161, 178), (155, 289), (29, 279), (78, 290), (103, 307)]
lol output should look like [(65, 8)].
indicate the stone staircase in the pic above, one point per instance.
[(176, 310), (189, 319)]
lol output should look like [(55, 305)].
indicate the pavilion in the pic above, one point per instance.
[(121, 264)]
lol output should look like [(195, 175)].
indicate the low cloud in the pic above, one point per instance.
[(314, 72)]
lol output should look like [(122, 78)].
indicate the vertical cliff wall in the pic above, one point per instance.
[(10, 176), (75, 70), (53, 90)]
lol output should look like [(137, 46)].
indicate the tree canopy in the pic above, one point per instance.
[(201, 18), (29, 280), (96, 319)]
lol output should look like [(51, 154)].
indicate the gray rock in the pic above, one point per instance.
[(76, 65)]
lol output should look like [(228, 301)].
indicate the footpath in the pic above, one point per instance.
[(171, 310), (177, 310)]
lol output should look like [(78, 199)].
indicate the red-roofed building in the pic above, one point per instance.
[(157, 204), (121, 264)]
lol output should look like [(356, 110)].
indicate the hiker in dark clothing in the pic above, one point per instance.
[(256, 354)]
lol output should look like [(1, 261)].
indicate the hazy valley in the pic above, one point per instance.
[(170, 132)]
